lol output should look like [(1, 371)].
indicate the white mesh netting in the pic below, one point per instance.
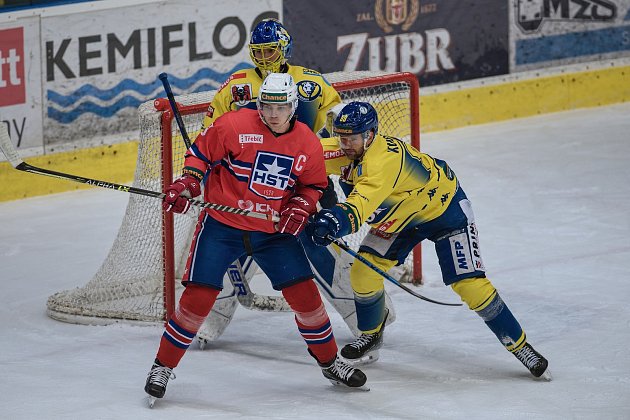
[(129, 285)]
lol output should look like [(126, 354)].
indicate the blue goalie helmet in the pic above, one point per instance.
[(356, 118), (270, 45)]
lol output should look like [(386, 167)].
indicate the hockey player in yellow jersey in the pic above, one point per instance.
[(406, 196), (269, 48)]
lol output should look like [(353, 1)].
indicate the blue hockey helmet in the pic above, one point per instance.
[(356, 118), (270, 45)]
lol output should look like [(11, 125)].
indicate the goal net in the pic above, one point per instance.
[(137, 282)]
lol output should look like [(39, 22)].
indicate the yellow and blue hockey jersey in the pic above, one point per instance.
[(316, 96), (392, 187)]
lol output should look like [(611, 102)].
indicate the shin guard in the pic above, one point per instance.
[(312, 319), (481, 296), (194, 306), (370, 311)]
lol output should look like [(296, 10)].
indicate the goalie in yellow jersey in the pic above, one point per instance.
[(269, 48), (406, 196)]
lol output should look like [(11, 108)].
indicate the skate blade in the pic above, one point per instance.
[(151, 400), (366, 359), (343, 386)]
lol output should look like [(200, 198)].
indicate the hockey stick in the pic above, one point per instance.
[(178, 117), (245, 296), (349, 250), (14, 158)]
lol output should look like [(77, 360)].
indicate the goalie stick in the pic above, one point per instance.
[(245, 296), (349, 250)]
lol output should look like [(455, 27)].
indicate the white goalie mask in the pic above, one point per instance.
[(277, 88)]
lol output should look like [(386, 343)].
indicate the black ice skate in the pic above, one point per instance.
[(340, 373), (533, 361), (364, 349), (157, 378)]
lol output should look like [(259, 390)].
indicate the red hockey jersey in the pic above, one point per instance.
[(252, 169)]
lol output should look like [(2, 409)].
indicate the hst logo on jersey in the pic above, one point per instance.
[(271, 174)]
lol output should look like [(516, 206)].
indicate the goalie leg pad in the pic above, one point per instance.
[(194, 306), (482, 297), (312, 319)]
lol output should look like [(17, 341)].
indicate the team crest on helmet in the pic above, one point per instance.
[(242, 94), (308, 90), (270, 175)]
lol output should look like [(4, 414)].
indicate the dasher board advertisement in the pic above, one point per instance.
[(100, 66), (440, 41), (20, 82), (548, 33)]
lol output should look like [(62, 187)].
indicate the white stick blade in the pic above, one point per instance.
[(7, 147)]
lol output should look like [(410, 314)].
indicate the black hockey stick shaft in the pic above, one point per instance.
[(356, 255), (178, 117), (14, 158)]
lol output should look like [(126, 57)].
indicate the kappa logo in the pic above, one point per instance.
[(373, 217), (270, 175), (250, 138)]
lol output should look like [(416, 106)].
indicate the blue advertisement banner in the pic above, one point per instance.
[(551, 33), (441, 41)]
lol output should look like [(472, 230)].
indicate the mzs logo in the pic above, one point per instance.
[(308, 90), (12, 83), (242, 94), (531, 14), (271, 174)]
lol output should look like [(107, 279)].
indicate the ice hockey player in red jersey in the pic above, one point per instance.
[(262, 160)]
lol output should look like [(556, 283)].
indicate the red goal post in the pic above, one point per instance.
[(137, 282)]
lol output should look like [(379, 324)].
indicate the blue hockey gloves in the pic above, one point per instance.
[(321, 225)]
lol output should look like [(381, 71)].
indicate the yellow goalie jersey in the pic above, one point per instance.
[(240, 90), (393, 187)]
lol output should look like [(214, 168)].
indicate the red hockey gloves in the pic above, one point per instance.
[(322, 225), (294, 214), (177, 195)]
